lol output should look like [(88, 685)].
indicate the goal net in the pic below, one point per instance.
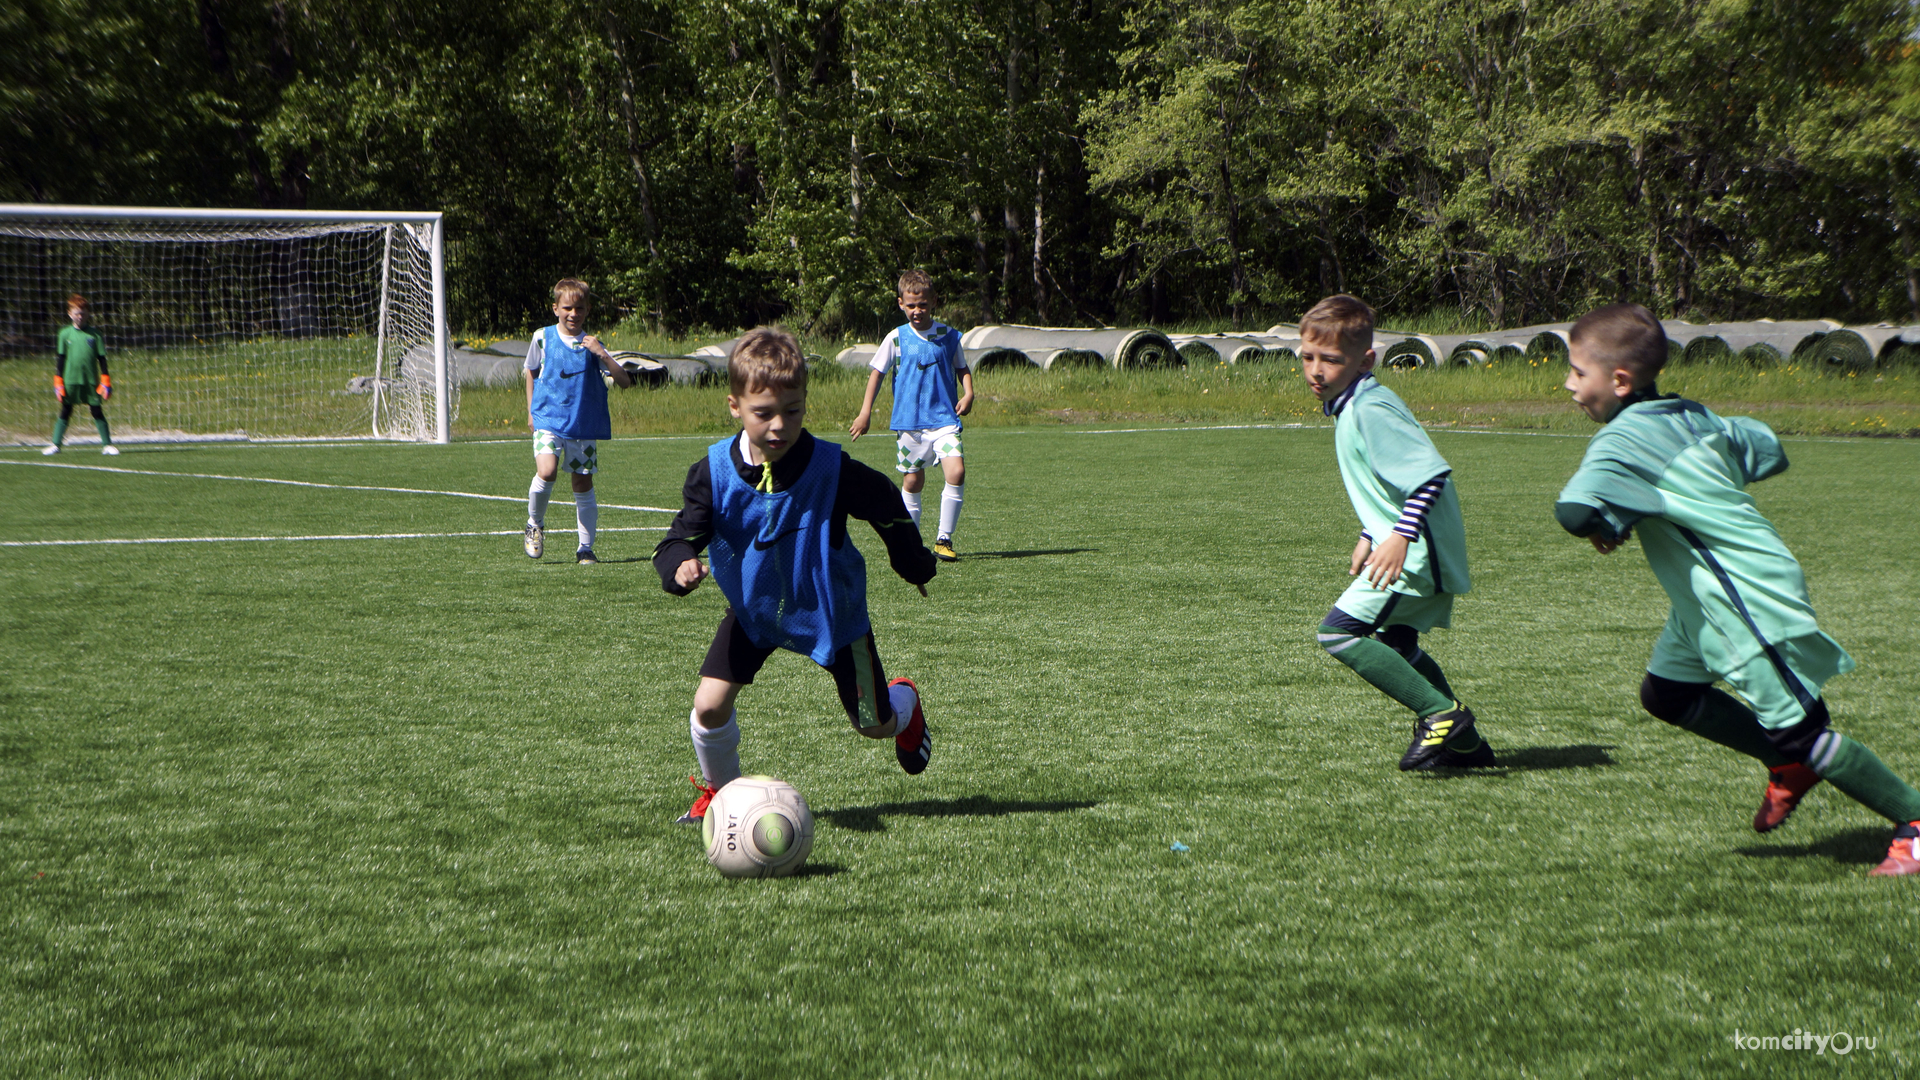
[(264, 324)]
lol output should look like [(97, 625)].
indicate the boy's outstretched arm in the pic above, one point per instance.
[(865, 419), (867, 494), (677, 557)]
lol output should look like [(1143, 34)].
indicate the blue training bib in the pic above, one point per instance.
[(925, 392), (569, 396), (773, 557)]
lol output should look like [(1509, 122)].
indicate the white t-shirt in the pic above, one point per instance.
[(888, 353), (537, 350)]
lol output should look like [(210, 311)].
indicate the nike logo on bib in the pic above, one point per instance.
[(928, 364), (571, 374), (762, 545)]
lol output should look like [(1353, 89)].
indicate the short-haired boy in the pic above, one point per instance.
[(771, 506), (1673, 472), (932, 390), (1413, 542), (80, 377), (567, 410)]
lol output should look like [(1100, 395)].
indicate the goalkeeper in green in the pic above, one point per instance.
[(80, 377), (1675, 473)]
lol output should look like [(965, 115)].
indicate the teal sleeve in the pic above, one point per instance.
[(1614, 497), (1760, 453), (1397, 446)]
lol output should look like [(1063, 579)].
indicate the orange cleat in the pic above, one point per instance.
[(1786, 785), (698, 810), (1903, 855)]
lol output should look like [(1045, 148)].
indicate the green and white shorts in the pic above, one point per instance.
[(576, 455), (929, 446)]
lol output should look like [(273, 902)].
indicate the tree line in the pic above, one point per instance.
[(724, 162)]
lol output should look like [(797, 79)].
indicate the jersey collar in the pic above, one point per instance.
[(1649, 392), (785, 471), (1332, 408)]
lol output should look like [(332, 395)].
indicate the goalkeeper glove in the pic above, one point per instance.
[(59, 387), (106, 386)]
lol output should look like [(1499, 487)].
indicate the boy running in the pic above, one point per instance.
[(927, 407), (771, 504), (80, 377), (1413, 543), (567, 410), (1677, 473)]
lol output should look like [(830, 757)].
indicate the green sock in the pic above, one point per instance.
[(1387, 670), (100, 425), (59, 431), (1721, 718), (1864, 778), (1431, 672)]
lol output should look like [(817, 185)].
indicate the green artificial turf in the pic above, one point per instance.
[(404, 806)]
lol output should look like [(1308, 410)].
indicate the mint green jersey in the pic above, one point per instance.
[(78, 354), (1676, 474), (1385, 455)]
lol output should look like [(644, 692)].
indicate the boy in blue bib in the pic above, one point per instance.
[(771, 505), (567, 410), (932, 390)]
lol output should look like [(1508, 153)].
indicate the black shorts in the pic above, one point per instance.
[(856, 671)]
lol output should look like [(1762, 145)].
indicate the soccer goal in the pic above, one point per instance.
[(261, 323)]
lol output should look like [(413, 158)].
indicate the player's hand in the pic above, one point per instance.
[(592, 345), (965, 404), (106, 392), (860, 425), (1383, 566), (1360, 552), (1604, 546), (690, 574)]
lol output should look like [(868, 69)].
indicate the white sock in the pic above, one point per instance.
[(586, 509), (537, 495), (904, 699), (950, 507), (913, 506), (718, 750)]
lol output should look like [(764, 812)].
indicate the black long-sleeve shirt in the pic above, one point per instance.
[(864, 493)]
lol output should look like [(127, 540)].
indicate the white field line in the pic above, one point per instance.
[(312, 484), (259, 539)]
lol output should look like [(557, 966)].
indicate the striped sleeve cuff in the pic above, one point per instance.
[(1414, 515)]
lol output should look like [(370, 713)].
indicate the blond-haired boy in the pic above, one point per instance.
[(932, 390), (1676, 474), (80, 376), (1413, 543), (567, 410), (771, 506)]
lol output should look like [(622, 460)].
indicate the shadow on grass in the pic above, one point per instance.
[(1863, 846), (816, 869), (1534, 759), (1024, 554), (867, 818)]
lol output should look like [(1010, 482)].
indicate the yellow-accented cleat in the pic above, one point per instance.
[(943, 550)]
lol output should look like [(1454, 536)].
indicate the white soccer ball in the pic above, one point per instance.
[(758, 827)]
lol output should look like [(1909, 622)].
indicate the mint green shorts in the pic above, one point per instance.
[(1384, 607), (1810, 659)]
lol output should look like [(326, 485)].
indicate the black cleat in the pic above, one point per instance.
[(1432, 734), (585, 557)]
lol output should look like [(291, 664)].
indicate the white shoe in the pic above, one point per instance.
[(52, 449), (110, 450)]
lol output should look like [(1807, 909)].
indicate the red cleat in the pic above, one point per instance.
[(1903, 855), (913, 748), (698, 810), (1785, 787)]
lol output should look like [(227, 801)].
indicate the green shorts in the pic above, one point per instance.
[(1383, 607), (1810, 659), (83, 394)]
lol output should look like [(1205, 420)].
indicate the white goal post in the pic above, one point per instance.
[(217, 323)]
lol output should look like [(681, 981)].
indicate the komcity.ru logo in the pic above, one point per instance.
[(1839, 1042)]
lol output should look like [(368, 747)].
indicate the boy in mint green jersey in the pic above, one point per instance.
[(1413, 542), (80, 377), (1671, 471)]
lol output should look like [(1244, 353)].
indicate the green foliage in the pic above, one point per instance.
[(1079, 162)]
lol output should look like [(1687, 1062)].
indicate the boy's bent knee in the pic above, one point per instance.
[(1339, 631), (1670, 699), (1796, 742)]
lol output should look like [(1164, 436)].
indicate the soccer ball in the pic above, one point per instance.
[(758, 827)]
